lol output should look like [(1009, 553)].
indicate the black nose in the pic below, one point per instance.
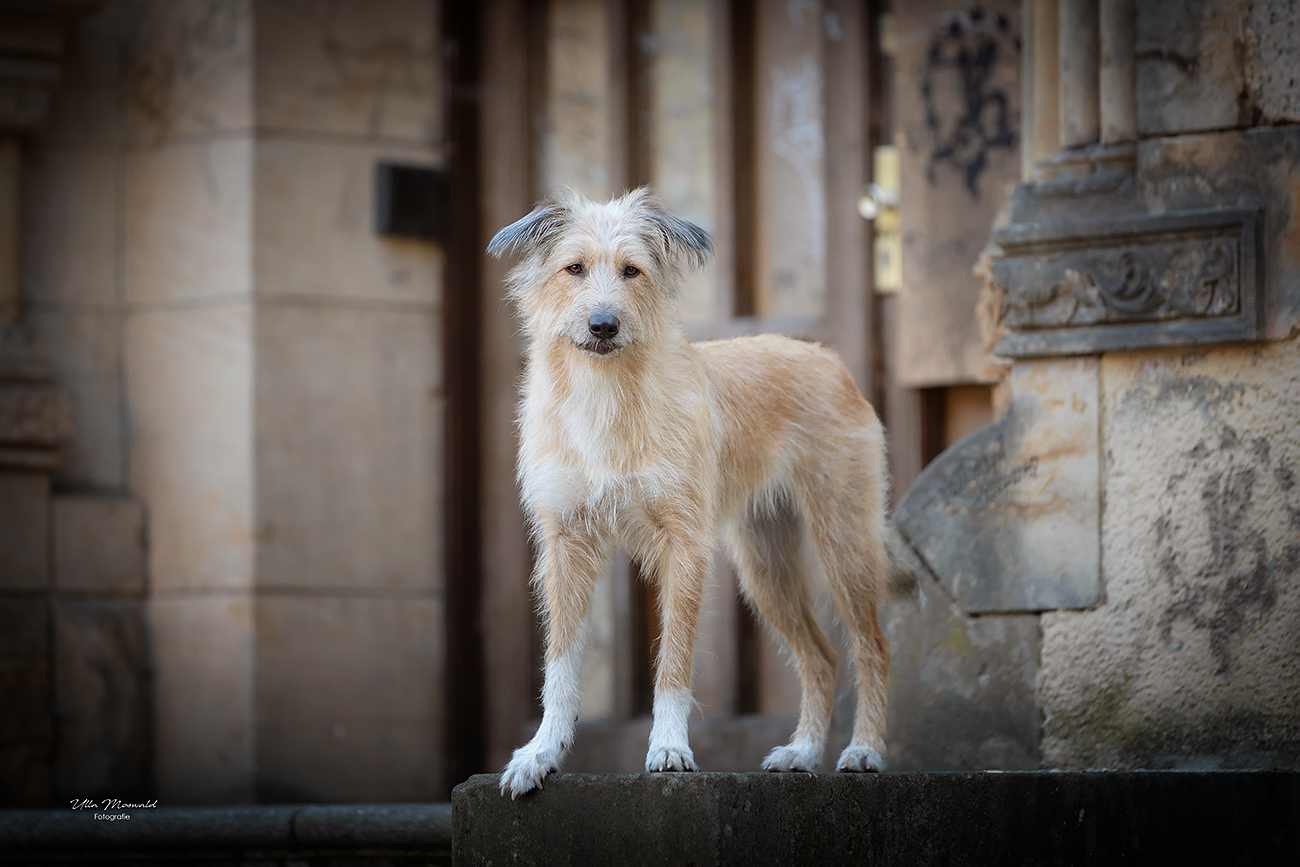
[(603, 325)]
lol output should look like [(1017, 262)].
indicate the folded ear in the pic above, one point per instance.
[(685, 244), (540, 227)]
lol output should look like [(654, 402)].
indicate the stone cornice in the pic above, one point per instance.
[(32, 34)]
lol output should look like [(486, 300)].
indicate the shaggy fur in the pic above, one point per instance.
[(641, 440)]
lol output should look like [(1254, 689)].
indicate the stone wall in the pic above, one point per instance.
[(255, 375), (1183, 653), (1192, 658)]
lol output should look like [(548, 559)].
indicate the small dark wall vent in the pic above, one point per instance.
[(410, 201)]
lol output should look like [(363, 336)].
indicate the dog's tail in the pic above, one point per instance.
[(904, 563)]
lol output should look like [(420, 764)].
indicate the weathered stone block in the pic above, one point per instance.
[(100, 695), (83, 345), (816, 819), (1008, 518), (1274, 30), (1189, 67), (1258, 167), (1193, 659), (24, 531), (188, 221), (348, 426), (80, 342), (86, 107), (349, 698), (961, 689), (95, 456), (315, 220), (70, 226), (354, 68), (189, 376), (99, 544), (203, 655), (1203, 66), (189, 70), (26, 730)]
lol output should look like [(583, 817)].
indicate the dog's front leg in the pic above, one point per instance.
[(566, 573), (682, 573)]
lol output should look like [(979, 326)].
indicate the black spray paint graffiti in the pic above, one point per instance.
[(1238, 583), (971, 117)]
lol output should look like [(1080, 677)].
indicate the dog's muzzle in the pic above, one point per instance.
[(603, 328)]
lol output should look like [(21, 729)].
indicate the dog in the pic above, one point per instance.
[(633, 437)]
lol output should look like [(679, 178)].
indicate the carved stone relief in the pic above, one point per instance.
[(1154, 280)]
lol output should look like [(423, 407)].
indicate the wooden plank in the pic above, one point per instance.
[(900, 410), (679, 116), (466, 745), (740, 135), (957, 116), (507, 621), (790, 136), (848, 263)]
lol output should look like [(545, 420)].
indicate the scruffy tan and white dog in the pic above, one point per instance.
[(632, 437)]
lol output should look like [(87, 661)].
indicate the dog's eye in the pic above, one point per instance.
[(631, 271), (575, 268)]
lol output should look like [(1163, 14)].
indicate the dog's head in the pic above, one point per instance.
[(601, 277)]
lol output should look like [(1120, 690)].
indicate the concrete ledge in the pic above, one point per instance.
[(372, 834), (793, 819)]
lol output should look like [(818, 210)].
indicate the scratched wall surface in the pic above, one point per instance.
[(957, 98), (1194, 653)]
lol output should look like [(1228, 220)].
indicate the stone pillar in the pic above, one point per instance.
[(1117, 82), (285, 392), (1080, 118), (1042, 136), (189, 383)]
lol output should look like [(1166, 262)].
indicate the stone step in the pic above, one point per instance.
[(913, 819), (320, 835)]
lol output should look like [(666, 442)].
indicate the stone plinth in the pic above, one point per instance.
[(793, 819)]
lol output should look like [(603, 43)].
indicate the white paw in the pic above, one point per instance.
[(860, 759), (527, 767), (670, 759), (796, 756)]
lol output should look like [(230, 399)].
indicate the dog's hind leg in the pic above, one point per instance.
[(765, 547), (567, 570), (849, 537)]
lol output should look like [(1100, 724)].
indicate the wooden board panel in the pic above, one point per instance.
[(957, 127)]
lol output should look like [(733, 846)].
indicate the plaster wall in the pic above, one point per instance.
[(1192, 659)]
